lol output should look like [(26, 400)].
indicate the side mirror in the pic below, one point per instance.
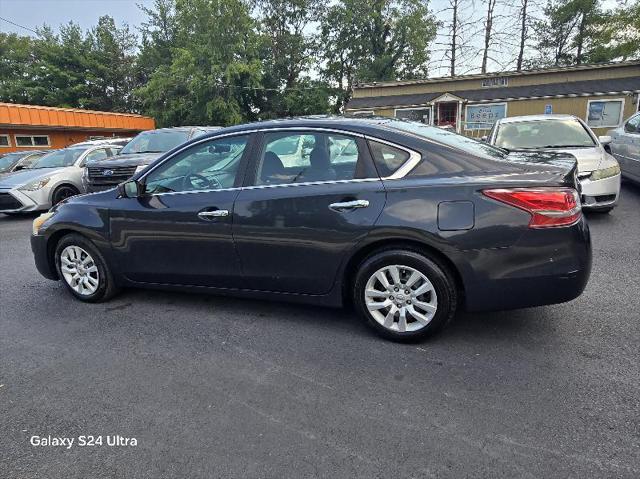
[(130, 189), (18, 168), (604, 140), (484, 138)]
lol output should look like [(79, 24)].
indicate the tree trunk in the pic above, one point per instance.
[(523, 34), (488, 26), (454, 37)]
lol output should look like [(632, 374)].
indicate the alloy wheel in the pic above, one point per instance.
[(401, 298), (79, 270)]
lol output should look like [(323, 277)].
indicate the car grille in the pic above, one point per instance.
[(8, 202), (97, 176)]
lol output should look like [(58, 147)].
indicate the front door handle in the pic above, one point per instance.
[(208, 215), (348, 205)]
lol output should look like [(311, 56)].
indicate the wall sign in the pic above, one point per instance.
[(548, 109), (482, 117)]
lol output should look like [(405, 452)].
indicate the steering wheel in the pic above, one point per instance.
[(187, 182)]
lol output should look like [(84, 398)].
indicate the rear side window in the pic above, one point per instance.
[(307, 157), (387, 158)]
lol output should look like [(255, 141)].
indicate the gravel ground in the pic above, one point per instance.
[(219, 387)]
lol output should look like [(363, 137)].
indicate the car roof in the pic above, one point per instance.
[(104, 141), (356, 124), (516, 119)]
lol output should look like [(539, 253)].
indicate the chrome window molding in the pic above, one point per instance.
[(401, 172)]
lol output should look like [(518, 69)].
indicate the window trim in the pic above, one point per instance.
[(604, 100), (410, 164), (466, 109), (8, 145), (430, 108), (15, 137)]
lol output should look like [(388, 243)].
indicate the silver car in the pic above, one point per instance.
[(50, 179), (598, 171), (625, 146)]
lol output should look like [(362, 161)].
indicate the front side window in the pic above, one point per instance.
[(155, 141), (211, 165), (96, 155), (9, 160), (524, 135), (59, 158), (307, 157), (633, 125), (604, 113)]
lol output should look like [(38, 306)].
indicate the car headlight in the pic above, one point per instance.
[(140, 168), (605, 173), (40, 220), (36, 185)]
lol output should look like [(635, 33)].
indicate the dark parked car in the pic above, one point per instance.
[(19, 160), (406, 221), (136, 155)]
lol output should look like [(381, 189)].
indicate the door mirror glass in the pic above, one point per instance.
[(604, 140), (484, 138), (130, 189)]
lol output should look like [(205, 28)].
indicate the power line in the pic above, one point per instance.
[(20, 26)]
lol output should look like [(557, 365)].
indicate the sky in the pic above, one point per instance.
[(34, 13)]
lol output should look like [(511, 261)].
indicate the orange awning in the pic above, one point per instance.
[(45, 116)]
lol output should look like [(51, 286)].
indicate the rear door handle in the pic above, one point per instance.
[(209, 215), (348, 205)]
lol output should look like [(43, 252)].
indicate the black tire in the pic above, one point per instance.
[(441, 279), (63, 192), (106, 288)]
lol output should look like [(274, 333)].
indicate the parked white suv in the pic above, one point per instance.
[(598, 171)]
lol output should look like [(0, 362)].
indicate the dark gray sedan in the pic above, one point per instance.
[(406, 222)]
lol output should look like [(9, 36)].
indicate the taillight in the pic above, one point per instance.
[(548, 207)]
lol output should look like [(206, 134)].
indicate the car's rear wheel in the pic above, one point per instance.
[(404, 295), (83, 269), (62, 193)]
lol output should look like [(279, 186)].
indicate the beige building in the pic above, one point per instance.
[(603, 95)]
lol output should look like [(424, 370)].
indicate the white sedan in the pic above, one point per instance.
[(598, 171), (50, 179)]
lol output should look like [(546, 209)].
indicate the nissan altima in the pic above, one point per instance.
[(406, 222)]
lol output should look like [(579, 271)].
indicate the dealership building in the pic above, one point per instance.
[(602, 94), (24, 127)]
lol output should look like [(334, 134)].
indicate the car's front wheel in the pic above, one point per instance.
[(404, 295), (62, 193), (83, 269)]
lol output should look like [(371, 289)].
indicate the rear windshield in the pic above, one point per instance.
[(155, 141), (525, 135), (447, 138)]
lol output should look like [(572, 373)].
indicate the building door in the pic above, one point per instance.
[(448, 114)]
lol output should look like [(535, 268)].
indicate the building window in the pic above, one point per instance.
[(5, 141), (32, 140), (495, 81), (604, 113), (483, 117), (361, 113), (422, 115)]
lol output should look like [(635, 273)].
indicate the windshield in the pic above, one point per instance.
[(448, 138), (525, 135), (9, 160), (155, 141), (58, 159)]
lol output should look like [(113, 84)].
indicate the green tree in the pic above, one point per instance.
[(214, 71), (376, 40), (566, 34), (616, 34), (16, 64)]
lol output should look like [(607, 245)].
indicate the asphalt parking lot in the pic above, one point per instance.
[(219, 387)]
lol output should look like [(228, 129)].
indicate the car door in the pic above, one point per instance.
[(632, 146), (310, 197), (179, 231)]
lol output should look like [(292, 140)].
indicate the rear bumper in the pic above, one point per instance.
[(41, 257), (544, 267)]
